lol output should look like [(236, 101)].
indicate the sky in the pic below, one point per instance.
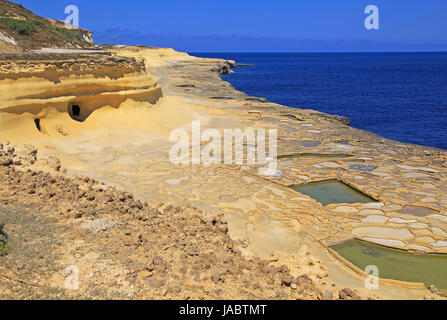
[(259, 26)]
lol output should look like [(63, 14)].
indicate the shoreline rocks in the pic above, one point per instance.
[(181, 241)]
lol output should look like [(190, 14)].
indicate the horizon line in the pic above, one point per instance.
[(267, 52)]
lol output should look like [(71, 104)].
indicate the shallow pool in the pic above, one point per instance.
[(429, 269), (332, 191)]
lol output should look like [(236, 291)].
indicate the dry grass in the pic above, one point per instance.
[(31, 256)]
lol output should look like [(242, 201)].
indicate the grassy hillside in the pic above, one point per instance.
[(31, 31)]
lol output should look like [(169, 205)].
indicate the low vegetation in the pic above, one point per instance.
[(22, 27), (30, 27), (4, 246), (31, 31), (68, 35)]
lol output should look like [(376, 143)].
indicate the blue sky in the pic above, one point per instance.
[(261, 25)]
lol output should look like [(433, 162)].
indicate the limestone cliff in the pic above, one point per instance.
[(35, 86)]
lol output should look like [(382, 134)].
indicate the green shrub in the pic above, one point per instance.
[(4, 248), (70, 35), (22, 27), (41, 24), (65, 33)]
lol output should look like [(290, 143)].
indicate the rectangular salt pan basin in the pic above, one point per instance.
[(333, 191), (429, 269)]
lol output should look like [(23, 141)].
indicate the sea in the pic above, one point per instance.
[(401, 96)]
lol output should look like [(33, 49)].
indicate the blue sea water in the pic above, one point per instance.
[(401, 96)]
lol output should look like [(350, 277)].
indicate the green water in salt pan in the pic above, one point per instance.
[(430, 269), (332, 191)]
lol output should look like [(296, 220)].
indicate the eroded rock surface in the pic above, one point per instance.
[(127, 147), (125, 248)]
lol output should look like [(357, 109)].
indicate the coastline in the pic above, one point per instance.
[(264, 216), (368, 137), (406, 110)]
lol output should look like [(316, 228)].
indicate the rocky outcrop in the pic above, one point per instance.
[(54, 67), (159, 250), (7, 39), (74, 84), (8, 44), (8, 47), (224, 67)]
